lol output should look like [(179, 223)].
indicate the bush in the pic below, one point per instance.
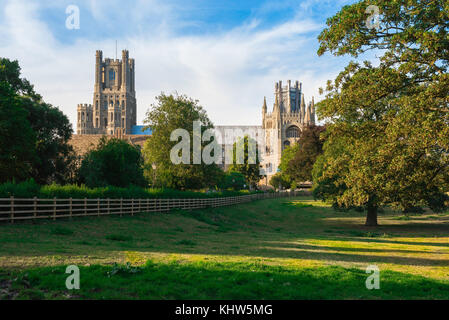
[(114, 162), (234, 180), (278, 180)]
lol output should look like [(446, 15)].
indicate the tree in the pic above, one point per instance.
[(16, 137), (172, 112), (308, 148), (53, 131), (113, 162), (249, 164), (50, 156), (287, 155), (278, 181), (388, 135)]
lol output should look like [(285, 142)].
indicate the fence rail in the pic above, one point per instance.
[(15, 209)]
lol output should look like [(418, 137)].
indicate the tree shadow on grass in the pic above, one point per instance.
[(223, 281)]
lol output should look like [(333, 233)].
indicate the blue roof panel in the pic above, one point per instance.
[(139, 130)]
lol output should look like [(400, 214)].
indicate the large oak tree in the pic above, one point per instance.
[(388, 134)]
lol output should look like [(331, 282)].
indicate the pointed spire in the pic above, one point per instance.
[(264, 107)]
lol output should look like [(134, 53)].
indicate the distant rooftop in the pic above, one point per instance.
[(139, 130)]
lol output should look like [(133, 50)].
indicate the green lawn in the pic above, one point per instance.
[(270, 249)]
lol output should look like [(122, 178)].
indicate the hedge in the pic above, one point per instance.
[(30, 189)]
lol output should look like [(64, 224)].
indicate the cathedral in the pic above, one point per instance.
[(284, 124), (114, 102), (113, 113)]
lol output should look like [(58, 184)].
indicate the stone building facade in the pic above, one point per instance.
[(114, 101), (284, 124)]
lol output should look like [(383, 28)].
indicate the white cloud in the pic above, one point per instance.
[(229, 72)]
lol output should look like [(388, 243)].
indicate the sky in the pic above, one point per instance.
[(226, 54)]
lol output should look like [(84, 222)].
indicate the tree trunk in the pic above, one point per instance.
[(371, 217)]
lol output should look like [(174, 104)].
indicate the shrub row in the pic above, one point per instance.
[(31, 189)]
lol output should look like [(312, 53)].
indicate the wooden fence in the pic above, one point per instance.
[(14, 209)]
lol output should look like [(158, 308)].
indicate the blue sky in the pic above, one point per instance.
[(226, 54)]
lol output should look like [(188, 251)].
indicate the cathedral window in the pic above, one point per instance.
[(111, 75), (293, 132), (286, 143)]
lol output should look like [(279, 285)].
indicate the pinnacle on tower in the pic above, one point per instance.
[(264, 107)]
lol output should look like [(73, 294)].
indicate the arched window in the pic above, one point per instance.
[(293, 132), (286, 143)]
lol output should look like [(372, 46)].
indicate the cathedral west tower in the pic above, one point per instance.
[(114, 102)]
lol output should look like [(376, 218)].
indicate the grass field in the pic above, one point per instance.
[(270, 249)]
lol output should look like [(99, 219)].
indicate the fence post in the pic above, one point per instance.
[(34, 208), (140, 205), (12, 209), (70, 208), (98, 206), (54, 208), (121, 206), (132, 206), (109, 211), (85, 206)]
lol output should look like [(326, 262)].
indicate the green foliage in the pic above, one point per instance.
[(55, 160), (388, 138), (114, 162), (287, 155), (234, 180), (34, 134), (278, 181), (16, 137), (29, 189), (249, 165), (304, 154), (173, 112), (26, 189)]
